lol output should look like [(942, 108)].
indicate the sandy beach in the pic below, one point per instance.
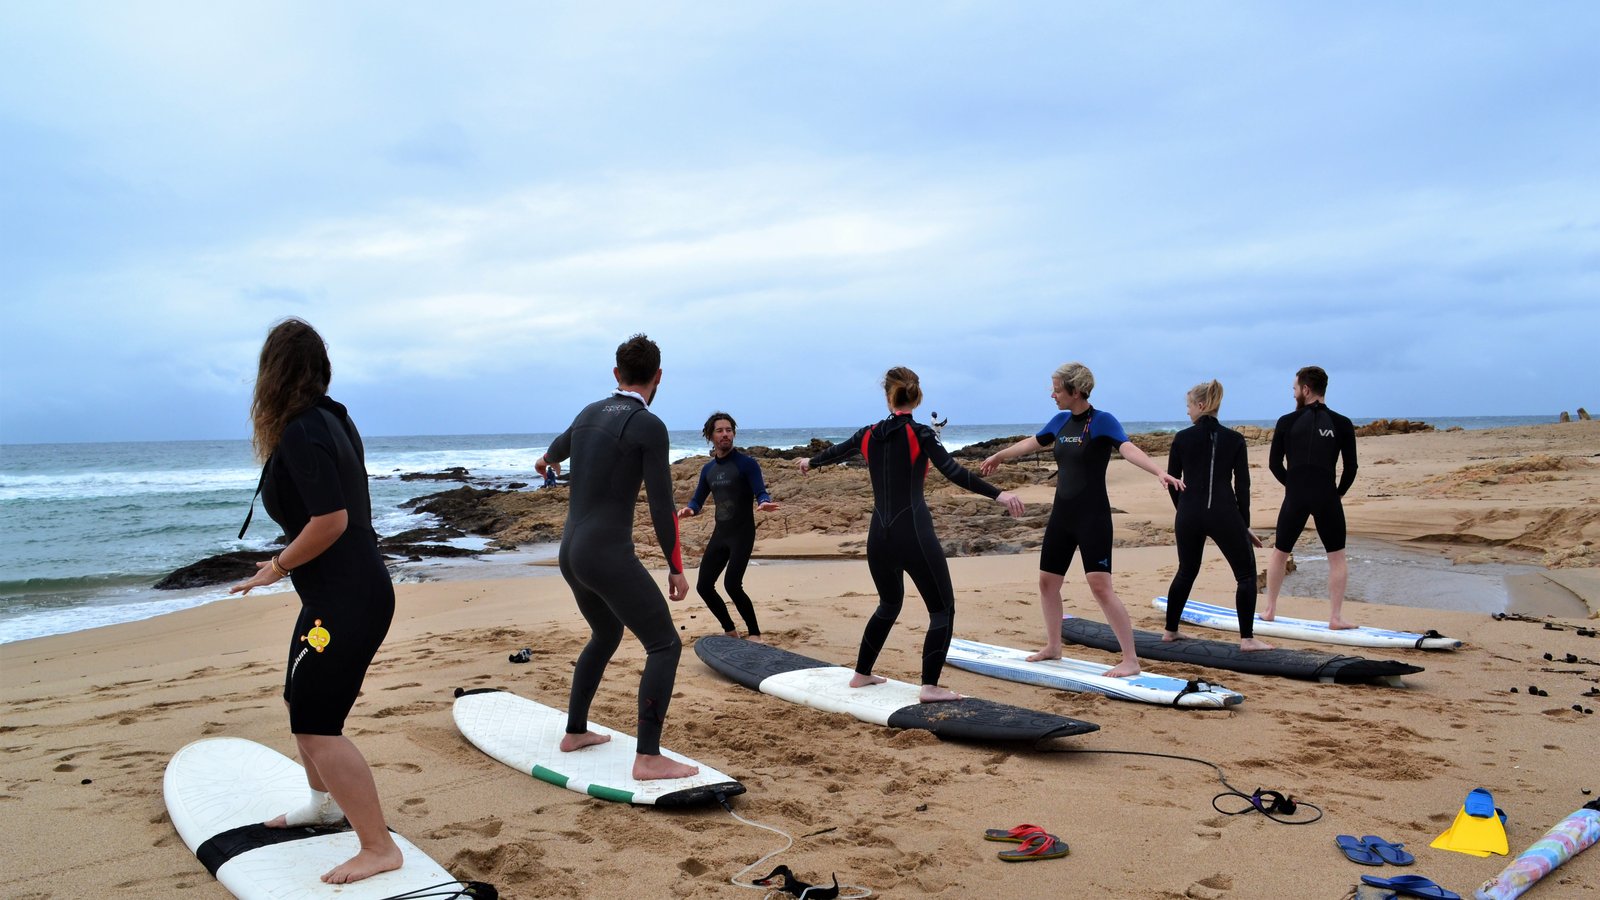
[(92, 717)]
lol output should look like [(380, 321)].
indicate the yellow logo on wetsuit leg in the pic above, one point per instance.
[(318, 637)]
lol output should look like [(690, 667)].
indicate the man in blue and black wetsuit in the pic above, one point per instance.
[(616, 444), (735, 481), (1313, 439)]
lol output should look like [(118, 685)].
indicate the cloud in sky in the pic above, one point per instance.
[(475, 206)]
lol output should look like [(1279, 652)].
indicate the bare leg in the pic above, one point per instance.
[(571, 742), (648, 767), (1277, 567), (932, 693), (349, 779), (1338, 578), (319, 810), (1050, 605), (1117, 617), (860, 680)]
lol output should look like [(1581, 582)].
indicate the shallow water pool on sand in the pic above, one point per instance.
[(1400, 575)]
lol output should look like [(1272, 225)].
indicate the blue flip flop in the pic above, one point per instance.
[(1357, 851), (1411, 886), (1389, 853)]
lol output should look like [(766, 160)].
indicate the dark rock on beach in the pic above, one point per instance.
[(223, 568), (816, 446), (454, 473), (466, 508)]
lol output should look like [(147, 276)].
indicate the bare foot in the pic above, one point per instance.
[(1251, 644), (280, 822), (932, 693), (1170, 636), (365, 864), (655, 768), (1045, 654), (860, 680), (573, 742), (1268, 614), (756, 638), (1340, 625), (1123, 670), (732, 634)]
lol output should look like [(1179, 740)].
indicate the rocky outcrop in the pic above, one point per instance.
[(1379, 427), (454, 473), (1583, 414), (224, 568)]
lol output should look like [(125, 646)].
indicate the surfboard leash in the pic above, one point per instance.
[(1272, 804), (476, 890), (813, 892)]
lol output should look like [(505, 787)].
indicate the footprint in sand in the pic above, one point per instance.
[(404, 768), (1213, 888), (416, 806), (487, 827)]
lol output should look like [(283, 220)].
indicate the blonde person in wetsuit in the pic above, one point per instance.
[(1082, 439)]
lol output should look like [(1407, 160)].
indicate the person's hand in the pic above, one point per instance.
[(687, 512), (987, 467), (1167, 480), (1012, 502), (769, 506), (264, 576), (1255, 541), (804, 464), (540, 464), (677, 587)]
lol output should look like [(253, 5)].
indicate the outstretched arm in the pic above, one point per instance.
[(837, 453), (962, 477), (758, 484), (1131, 452), (692, 508), (1021, 448)]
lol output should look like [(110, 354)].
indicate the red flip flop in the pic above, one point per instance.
[(1015, 835), (1037, 846)]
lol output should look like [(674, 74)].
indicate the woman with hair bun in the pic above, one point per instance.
[(901, 541), (1213, 464)]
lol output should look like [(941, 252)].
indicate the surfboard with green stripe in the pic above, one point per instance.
[(525, 735)]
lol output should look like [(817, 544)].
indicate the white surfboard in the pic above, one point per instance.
[(220, 790), (1079, 675), (1227, 619), (525, 734)]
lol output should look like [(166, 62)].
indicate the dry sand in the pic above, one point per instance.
[(897, 811)]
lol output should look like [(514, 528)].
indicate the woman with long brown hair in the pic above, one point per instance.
[(314, 485)]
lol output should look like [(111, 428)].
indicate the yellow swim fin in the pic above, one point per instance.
[(1478, 829)]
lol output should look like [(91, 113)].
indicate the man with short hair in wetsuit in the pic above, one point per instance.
[(1313, 439), (735, 481), (616, 444)]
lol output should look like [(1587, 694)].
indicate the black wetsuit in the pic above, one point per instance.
[(1215, 469), (616, 444), (346, 598), (1080, 518), (735, 482), (900, 540), (1314, 439)]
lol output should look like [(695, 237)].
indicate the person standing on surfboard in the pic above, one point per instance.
[(735, 481), (1312, 440), (314, 485), (1083, 438), (1213, 464), (900, 540), (616, 444)]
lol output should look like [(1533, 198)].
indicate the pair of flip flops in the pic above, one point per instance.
[(1036, 843), (1411, 886), (1372, 850)]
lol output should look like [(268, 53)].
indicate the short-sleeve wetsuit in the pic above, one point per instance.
[(1214, 465), (1313, 439), (616, 444), (1080, 518), (346, 598), (735, 482), (900, 540)]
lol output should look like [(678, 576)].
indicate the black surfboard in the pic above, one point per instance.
[(811, 682), (1313, 665)]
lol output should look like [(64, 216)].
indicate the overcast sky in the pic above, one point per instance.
[(476, 202)]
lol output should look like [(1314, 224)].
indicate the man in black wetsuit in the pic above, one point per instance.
[(615, 445), (735, 481), (1313, 439)]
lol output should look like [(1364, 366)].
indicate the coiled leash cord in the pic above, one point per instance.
[(477, 890), (1271, 804), (865, 892)]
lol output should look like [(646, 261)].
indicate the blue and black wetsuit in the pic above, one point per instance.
[(736, 484), (346, 598), (1080, 519), (1314, 439), (900, 540), (616, 444), (1214, 465)]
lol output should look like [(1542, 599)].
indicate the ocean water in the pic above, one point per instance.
[(86, 530)]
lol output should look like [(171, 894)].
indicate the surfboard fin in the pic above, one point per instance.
[(1478, 830)]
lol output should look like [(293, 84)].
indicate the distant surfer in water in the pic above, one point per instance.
[(900, 540), (314, 485), (734, 481), (616, 444), (1213, 464), (1082, 439), (1312, 440)]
